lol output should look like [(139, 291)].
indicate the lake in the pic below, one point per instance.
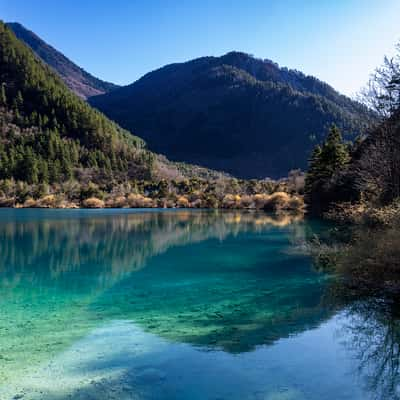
[(152, 304)]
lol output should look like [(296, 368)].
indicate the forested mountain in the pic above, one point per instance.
[(234, 113), (58, 151), (76, 78), (48, 134)]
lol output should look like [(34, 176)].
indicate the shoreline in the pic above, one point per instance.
[(275, 202)]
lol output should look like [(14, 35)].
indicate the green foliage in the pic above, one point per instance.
[(334, 154), (369, 187), (3, 97), (314, 172), (91, 190), (236, 113), (327, 162), (78, 80), (57, 151), (48, 134)]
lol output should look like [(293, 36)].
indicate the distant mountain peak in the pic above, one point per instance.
[(237, 113), (77, 79)]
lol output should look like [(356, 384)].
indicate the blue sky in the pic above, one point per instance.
[(339, 41)]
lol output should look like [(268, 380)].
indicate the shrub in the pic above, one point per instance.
[(22, 192), (134, 200), (363, 213), (72, 190), (231, 201), (117, 202), (41, 190), (210, 201), (93, 202), (170, 203), (295, 203), (277, 201), (91, 190), (160, 203), (196, 195), (7, 202), (139, 201), (198, 204), (182, 202), (246, 201), (48, 201), (30, 203), (67, 204), (260, 200), (7, 187)]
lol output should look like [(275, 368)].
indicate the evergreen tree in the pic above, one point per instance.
[(334, 153), (27, 167), (19, 100), (325, 165), (55, 171), (43, 171), (313, 172), (3, 97), (63, 132)]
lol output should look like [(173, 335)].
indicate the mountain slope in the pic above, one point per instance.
[(77, 79), (48, 134), (235, 113)]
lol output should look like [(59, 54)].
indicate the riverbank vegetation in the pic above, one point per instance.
[(360, 182), (58, 152), (364, 263), (228, 193), (357, 185)]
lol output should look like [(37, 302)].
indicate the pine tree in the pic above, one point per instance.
[(43, 171), (55, 171), (56, 133), (326, 163), (19, 100), (313, 172), (334, 153), (27, 167), (3, 97)]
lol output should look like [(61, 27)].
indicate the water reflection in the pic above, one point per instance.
[(191, 304), (216, 279), (372, 335), (113, 244), (366, 287)]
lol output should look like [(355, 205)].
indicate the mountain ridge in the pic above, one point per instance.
[(76, 78), (50, 136), (235, 113)]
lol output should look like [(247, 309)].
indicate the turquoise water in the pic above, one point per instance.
[(122, 304)]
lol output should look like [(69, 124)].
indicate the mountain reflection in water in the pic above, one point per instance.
[(84, 294)]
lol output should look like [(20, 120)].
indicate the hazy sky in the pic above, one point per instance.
[(338, 41)]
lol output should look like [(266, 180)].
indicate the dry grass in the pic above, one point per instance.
[(366, 214), (296, 203), (30, 203), (182, 202), (277, 201), (48, 201), (117, 202), (139, 201), (93, 202)]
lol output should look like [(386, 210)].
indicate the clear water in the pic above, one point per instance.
[(118, 304)]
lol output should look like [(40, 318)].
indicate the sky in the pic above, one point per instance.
[(339, 41)]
